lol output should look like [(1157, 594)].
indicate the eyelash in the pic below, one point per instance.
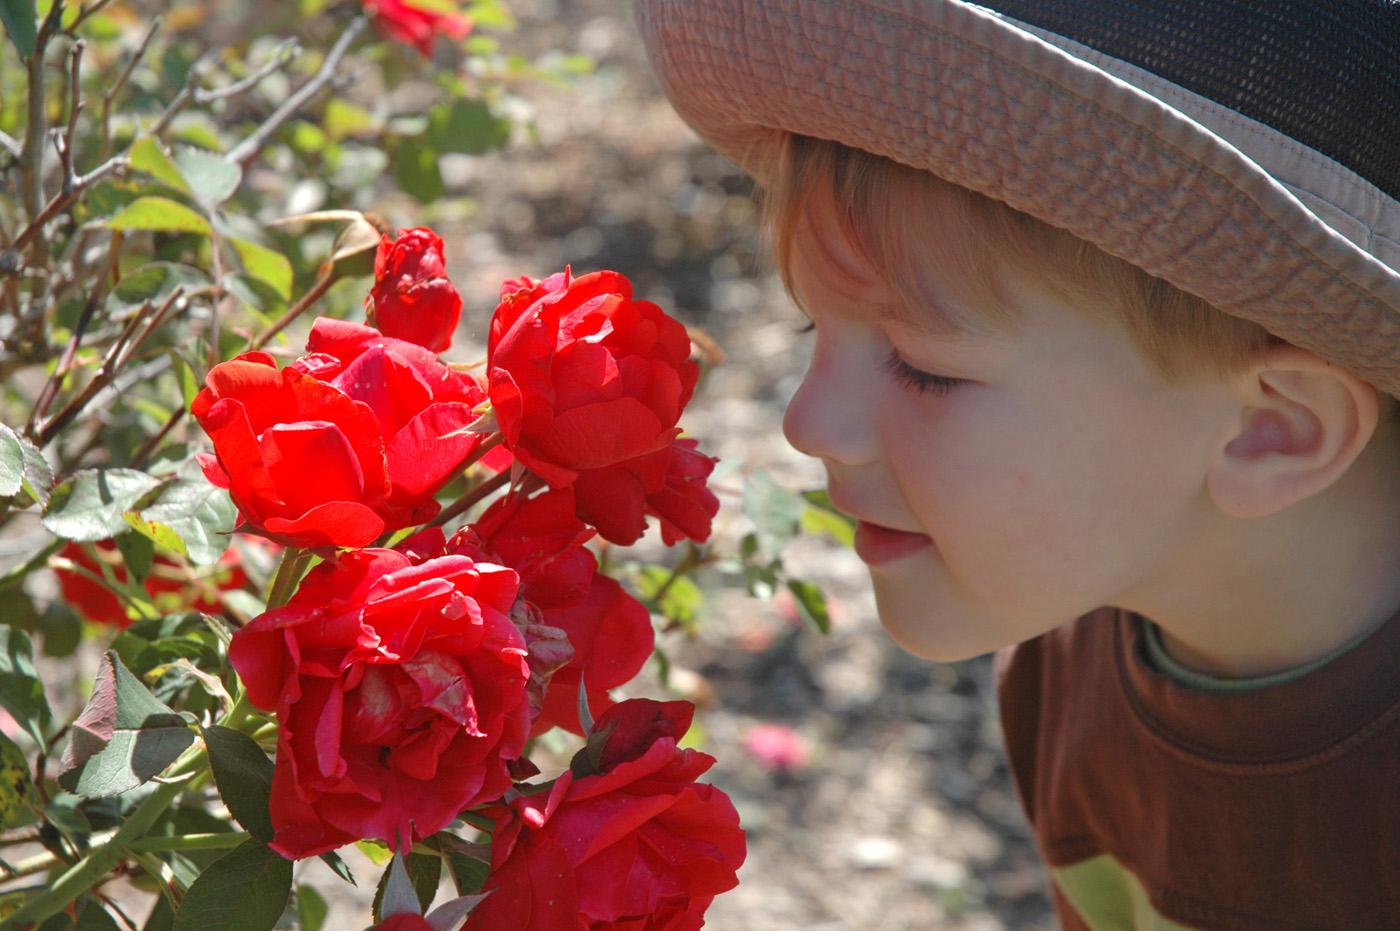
[(917, 380), (908, 376)]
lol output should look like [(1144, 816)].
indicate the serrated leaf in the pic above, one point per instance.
[(467, 127), (124, 736), (266, 265), (148, 156), (185, 373), (378, 853), (21, 692), (211, 178), (243, 774), (21, 24), (244, 890), (90, 505), (11, 463), (311, 908), (158, 214), (18, 799), (682, 600), (811, 602), (200, 515), (338, 867)]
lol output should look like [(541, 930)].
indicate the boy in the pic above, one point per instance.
[(1106, 301)]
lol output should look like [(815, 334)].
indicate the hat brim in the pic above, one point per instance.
[(957, 90)]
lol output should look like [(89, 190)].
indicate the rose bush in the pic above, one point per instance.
[(626, 840), (412, 298), (399, 691)]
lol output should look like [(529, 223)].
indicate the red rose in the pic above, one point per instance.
[(542, 539), (612, 637), (684, 504), (582, 377), (625, 841), (417, 25), (344, 443), (400, 695), (668, 484), (412, 297), (172, 586)]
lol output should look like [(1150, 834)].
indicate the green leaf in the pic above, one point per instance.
[(11, 462), (682, 600), (138, 554), (18, 799), (211, 178), (185, 373), (153, 282), (243, 774), (244, 890), (147, 155), (466, 126), (38, 477), (820, 516), (21, 24), (21, 692), (200, 515), (343, 118), (266, 265), (311, 908), (811, 602), (775, 511), (124, 736), (416, 170), (338, 867), (94, 917), (160, 214), (90, 505), (408, 888)]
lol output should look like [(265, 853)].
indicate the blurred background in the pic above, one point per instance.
[(872, 784)]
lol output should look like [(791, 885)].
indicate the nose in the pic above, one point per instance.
[(831, 415)]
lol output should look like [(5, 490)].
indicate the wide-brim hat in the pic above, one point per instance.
[(1247, 151)]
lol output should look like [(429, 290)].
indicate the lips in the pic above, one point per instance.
[(876, 544)]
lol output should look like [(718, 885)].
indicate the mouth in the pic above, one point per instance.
[(876, 544)]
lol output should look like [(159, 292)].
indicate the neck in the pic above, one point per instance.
[(1253, 597)]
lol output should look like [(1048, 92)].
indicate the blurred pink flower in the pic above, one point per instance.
[(777, 747)]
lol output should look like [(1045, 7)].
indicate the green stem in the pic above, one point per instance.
[(288, 575), (478, 821), (223, 841), (102, 859)]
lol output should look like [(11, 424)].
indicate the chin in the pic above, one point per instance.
[(928, 636)]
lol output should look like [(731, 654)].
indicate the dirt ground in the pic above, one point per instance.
[(904, 817)]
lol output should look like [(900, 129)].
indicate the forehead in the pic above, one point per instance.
[(914, 265)]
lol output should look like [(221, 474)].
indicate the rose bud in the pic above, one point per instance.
[(412, 297)]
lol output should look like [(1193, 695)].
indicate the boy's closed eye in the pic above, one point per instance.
[(917, 380)]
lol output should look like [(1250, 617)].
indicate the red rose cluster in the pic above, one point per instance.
[(408, 680)]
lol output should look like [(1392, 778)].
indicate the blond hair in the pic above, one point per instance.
[(886, 211)]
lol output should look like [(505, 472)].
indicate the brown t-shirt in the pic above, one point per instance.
[(1158, 805)]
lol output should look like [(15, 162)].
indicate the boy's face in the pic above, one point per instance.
[(1057, 475)]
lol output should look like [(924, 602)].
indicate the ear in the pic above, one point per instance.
[(1302, 423)]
